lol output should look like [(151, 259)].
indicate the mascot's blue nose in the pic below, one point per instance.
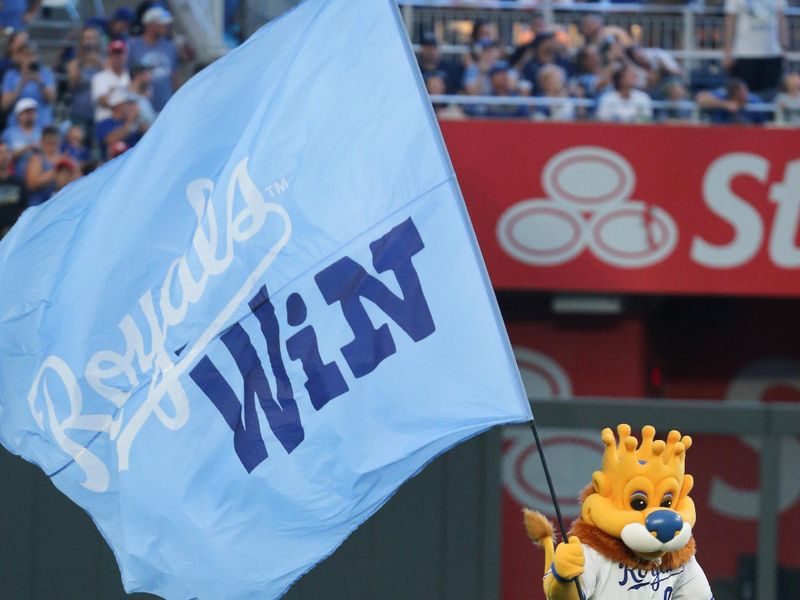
[(664, 523)]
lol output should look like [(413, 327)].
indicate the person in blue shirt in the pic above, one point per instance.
[(40, 173), (154, 49), (18, 14), (29, 79), (24, 136), (731, 104), (124, 125)]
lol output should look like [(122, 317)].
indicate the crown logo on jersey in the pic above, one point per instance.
[(652, 458)]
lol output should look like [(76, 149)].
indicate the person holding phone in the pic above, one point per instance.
[(29, 79)]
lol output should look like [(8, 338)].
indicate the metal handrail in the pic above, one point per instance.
[(577, 102), (770, 421), (603, 6)]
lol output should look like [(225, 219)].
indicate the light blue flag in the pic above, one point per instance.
[(233, 344)]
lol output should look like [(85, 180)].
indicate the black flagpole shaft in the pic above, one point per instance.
[(553, 495)]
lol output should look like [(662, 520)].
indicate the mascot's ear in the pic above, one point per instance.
[(601, 484), (688, 484)]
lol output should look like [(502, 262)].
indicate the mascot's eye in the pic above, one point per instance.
[(639, 501), (666, 501)]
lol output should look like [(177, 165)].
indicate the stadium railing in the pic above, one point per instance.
[(691, 32)]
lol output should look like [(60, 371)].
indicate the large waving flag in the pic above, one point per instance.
[(233, 344)]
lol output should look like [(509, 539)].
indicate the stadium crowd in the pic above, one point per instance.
[(604, 75), (98, 99), (101, 94)]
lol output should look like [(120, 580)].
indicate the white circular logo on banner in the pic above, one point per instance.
[(589, 177), (588, 206), (572, 455)]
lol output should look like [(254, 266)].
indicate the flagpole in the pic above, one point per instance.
[(532, 424)]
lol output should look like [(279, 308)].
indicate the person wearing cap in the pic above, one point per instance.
[(119, 27), (114, 77), (124, 124), (502, 84), (29, 79), (141, 90), (431, 63), (81, 69), (24, 136), (154, 48), (40, 172), (67, 171)]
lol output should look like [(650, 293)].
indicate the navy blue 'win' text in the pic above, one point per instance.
[(344, 282)]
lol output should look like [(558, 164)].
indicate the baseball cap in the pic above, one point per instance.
[(157, 14), (117, 97), (25, 104), (123, 13), (117, 46), (66, 163), (140, 68), (429, 39), (500, 66)]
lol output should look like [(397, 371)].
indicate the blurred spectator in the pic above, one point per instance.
[(124, 124), (484, 31), (15, 43), (591, 77), (155, 49), (431, 62), (755, 39), (788, 100), (591, 28), (30, 79), (119, 27), (24, 136), (116, 149), (12, 192), (502, 84), (114, 77), (141, 90), (40, 173), (67, 171), (435, 84), (654, 66), (551, 84), (676, 95), (18, 14), (74, 146), (81, 70), (730, 104), (476, 75), (625, 104), (542, 51)]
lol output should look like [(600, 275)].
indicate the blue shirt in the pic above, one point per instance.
[(11, 12), (106, 126), (31, 89), (15, 138), (718, 115), (163, 57)]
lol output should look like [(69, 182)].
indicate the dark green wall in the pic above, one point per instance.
[(436, 539)]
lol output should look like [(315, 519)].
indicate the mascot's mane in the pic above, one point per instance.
[(615, 549)]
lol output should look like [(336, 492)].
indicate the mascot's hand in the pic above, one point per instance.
[(569, 560)]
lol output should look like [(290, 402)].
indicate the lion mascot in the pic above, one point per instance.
[(633, 539)]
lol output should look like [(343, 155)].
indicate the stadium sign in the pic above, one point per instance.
[(632, 208)]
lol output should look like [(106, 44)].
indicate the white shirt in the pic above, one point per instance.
[(757, 27), (604, 579), (102, 83), (635, 109)]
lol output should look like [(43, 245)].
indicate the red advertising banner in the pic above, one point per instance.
[(749, 364), (662, 209)]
